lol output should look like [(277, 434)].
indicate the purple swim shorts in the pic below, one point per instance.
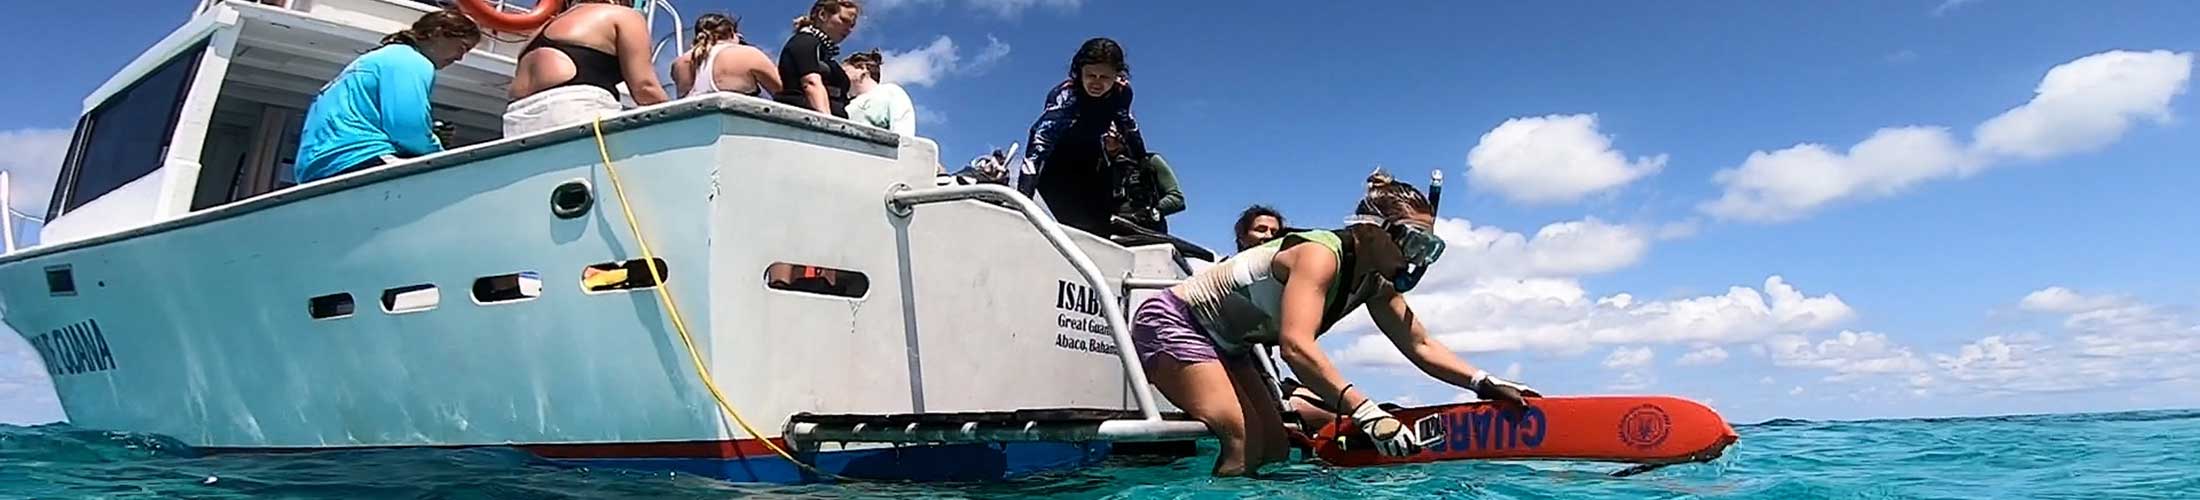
[(1165, 325)]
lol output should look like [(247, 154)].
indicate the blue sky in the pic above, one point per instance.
[(2007, 234)]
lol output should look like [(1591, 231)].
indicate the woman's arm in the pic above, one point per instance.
[(683, 74), (1059, 110), (1126, 123), (1398, 322), (813, 87), (631, 38), (903, 112), (1307, 271), (1172, 199), (763, 70)]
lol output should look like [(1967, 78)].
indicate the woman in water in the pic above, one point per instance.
[(377, 108), (882, 105), (1066, 163), (571, 71), (808, 68), (1195, 338), (721, 61)]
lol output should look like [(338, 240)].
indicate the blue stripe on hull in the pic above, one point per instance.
[(959, 462)]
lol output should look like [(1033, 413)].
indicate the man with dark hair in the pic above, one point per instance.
[(1257, 225)]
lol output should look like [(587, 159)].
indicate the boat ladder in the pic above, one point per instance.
[(1146, 424)]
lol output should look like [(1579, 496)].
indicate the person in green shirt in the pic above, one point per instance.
[(1146, 190)]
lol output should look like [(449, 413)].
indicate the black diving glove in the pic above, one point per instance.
[(1491, 388)]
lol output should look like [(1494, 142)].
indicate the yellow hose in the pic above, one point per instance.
[(664, 295)]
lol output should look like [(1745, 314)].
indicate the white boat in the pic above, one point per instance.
[(182, 287)]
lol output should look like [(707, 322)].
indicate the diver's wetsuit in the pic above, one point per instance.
[(1066, 160)]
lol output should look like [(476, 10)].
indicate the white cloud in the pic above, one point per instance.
[(1008, 9), (1847, 354), (1551, 159), (1902, 56), (1996, 365), (1710, 355), (1797, 391), (928, 65), (1573, 248), (2081, 105), (1625, 358), (1631, 381), (993, 52), (1557, 315), (32, 158), (2057, 299), (2104, 342), (1678, 230), (922, 66), (1767, 380), (2086, 104), (1512, 371), (1011, 8), (1787, 184), (929, 116), (882, 6), (1947, 6)]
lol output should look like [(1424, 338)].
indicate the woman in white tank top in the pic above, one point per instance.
[(719, 62), (1195, 338)]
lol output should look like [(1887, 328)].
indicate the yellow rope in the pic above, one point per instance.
[(665, 295)]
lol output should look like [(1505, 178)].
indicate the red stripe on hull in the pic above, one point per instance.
[(723, 449)]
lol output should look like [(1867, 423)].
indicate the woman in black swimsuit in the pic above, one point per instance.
[(808, 66), (570, 72)]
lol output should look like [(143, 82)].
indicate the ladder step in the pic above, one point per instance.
[(1119, 430), (1018, 417)]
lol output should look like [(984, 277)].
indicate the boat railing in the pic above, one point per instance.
[(7, 219), (1149, 424), (497, 42), (905, 200)]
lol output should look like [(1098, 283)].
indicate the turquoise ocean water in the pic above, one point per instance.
[(2153, 454)]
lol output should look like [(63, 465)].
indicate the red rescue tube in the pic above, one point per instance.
[(488, 16), (1627, 429)]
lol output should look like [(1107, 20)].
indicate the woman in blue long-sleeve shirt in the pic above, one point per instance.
[(377, 107), (1066, 163)]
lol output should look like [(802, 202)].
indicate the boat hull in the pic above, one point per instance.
[(202, 328)]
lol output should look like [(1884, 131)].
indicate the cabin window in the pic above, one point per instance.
[(331, 306), (127, 136), (60, 281), (410, 298), (504, 288), (628, 275), (816, 279)]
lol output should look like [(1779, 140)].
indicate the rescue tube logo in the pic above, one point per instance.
[(1645, 426)]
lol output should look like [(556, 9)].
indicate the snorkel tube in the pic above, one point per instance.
[(1435, 190)]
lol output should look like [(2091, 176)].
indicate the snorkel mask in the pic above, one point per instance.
[(1419, 247)]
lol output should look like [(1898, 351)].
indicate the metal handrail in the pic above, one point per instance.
[(903, 199)]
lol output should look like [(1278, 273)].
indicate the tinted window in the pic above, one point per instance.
[(127, 136)]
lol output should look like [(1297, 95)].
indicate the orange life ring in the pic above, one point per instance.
[(489, 17)]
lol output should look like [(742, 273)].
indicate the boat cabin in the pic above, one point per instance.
[(211, 114)]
